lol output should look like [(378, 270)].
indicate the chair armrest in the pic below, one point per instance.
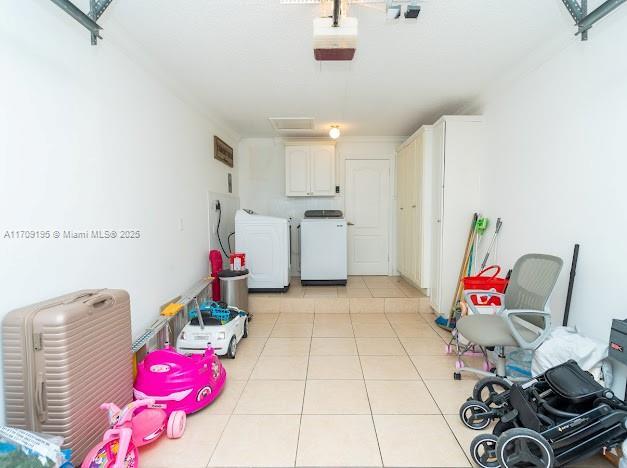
[(510, 315), (471, 292)]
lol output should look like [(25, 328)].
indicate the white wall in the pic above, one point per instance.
[(90, 140), (555, 170), (262, 181), (222, 220)]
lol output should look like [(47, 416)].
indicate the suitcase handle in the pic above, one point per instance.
[(100, 301), (80, 296), (40, 400)]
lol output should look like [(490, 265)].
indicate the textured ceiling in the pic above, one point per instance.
[(247, 60)]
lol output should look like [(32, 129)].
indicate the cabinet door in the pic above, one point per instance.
[(297, 171), (322, 170), (424, 158), (412, 195), (401, 190), (437, 301)]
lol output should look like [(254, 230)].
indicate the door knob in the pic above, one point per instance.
[(350, 224)]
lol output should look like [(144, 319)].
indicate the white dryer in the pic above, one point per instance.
[(266, 242)]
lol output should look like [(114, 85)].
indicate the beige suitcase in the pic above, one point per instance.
[(63, 358)]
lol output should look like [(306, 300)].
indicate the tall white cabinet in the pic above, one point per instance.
[(414, 207), (309, 170), (456, 155)]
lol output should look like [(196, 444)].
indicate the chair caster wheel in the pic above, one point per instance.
[(457, 375)]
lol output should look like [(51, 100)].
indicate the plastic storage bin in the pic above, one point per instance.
[(518, 363)]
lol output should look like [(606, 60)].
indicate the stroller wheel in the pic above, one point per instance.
[(489, 389), (523, 447), (459, 364), (448, 349), (473, 415), (483, 451)]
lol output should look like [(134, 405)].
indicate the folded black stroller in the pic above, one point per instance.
[(556, 418)]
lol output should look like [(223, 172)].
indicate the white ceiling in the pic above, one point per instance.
[(247, 60)]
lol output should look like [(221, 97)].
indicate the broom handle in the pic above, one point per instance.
[(496, 233), (469, 241)]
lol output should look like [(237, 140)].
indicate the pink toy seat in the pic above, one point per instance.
[(147, 425)]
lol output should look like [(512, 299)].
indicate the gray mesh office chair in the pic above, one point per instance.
[(524, 319)]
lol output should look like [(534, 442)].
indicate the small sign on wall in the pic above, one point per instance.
[(222, 152)]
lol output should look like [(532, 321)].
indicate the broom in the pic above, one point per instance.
[(448, 323)]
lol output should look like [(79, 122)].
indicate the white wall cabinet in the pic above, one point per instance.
[(414, 207), (456, 157), (310, 170)]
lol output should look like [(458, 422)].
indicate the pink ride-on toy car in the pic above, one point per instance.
[(179, 382), (138, 423)]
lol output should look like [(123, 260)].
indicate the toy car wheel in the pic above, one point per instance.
[(523, 447), (176, 424), (483, 451), (245, 335), (489, 390), (230, 353), (473, 415)]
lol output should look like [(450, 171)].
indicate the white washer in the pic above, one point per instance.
[(266, 242), (323, 251)]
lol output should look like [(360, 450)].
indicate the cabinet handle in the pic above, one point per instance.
[(402, 208), (413, 206)]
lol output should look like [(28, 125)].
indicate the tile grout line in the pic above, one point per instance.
[(457, 440), (302, 406), (374, 426), (438, 406), (239, 397)]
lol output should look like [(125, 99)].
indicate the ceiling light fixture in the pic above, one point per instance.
[(334, 132)]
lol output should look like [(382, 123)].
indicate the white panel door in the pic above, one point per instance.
[(297, 175), (437, 213), (322, 170), (367, 211)]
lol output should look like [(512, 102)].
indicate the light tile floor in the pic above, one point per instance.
[(333, 379)]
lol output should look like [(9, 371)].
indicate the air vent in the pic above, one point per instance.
[(292, 123)]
